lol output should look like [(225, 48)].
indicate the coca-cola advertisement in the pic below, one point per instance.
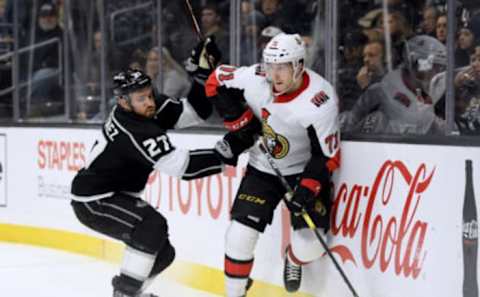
[(396, 222)]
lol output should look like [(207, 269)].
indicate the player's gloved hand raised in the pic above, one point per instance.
[(197, 65), (304, 196)]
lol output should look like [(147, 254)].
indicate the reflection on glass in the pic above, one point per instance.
[(391, 78)]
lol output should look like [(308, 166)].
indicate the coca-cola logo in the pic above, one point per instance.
[(389, 236)]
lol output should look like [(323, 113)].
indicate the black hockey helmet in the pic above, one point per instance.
[(126, 82)]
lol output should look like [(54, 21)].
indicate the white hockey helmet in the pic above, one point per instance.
[(423, 52), (425, 57), (286, 48)]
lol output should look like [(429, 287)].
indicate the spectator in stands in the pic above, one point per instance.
[(400, 32), (265, 36), (211, 22), (275, 15), (429, 22), (371, 25), (373, 68), (350, 64), (465, 44), (467, 102), (441, 28), (6, 30), (403, 102), (251, 25), (177, 34), (88, 79), (175, 81), (138, 60), (247, 6), (407, 8), (47, 58)]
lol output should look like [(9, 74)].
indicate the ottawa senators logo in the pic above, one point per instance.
[(277, 144)]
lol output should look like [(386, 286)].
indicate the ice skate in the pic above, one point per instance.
[(292, 276)]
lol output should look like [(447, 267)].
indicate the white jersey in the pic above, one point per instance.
[(407, 109), (289, 122)]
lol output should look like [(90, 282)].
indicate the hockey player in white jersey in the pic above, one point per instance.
[(298, 111), (404, 100)]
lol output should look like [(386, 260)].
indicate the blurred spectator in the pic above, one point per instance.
[(400, 28), (138, 60), (351, 62), (90, 68), (177, 32), (407, 8), (315, 54), (45, 86), (465, 44), (6, 30), (289, 11), (429, 22), (371, 25), (251, 25), (400, 32), (267, 34), (176, 82), (247, 6), (441, 28), (47, 29), (403, 101), (467, 102), (274, 15), (211, 22), (373, 67)]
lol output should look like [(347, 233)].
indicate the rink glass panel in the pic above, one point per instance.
[(71, 80)]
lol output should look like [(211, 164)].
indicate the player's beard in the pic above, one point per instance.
[(150, 112)]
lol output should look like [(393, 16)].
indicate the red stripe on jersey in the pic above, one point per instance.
[(311, 184), (212, 84), (334, 162), (237, 268), (241, 122)]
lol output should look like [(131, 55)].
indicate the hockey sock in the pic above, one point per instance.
[(305, 246), (137, 264), (239, 248)]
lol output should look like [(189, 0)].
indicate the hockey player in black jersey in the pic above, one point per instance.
[(133, 142)]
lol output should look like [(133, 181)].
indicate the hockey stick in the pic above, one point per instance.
[(197, 30), (306, 217)]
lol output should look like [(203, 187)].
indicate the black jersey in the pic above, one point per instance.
[(131, 146), (122, 158)]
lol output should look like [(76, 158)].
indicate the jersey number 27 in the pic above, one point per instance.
[(157, 145)]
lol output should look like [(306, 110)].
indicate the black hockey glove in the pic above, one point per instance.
[(231, 146), (224, 151), (229, 103), (232, 107), (197, 65), (304, 196)]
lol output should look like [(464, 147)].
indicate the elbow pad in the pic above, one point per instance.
[(202, 162)]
